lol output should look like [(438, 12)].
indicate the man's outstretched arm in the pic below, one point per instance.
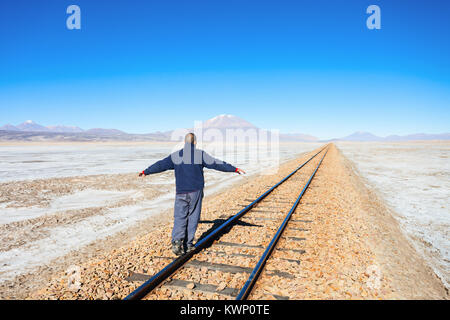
[(159, 166), (213, 163)]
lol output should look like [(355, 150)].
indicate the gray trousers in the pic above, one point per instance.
[(188, 207)]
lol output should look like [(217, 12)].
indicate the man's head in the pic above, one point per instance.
[(190, 138)]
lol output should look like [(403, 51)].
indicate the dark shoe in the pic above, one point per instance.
[(177, 247), (189, 248)]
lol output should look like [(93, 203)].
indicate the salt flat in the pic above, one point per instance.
[(57, 198), (414, 179), (352, 246)]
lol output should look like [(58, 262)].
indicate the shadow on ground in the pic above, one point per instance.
[(218, 222)]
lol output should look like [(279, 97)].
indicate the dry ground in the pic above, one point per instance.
[(354, 248)]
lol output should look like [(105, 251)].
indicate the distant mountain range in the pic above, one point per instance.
[(32, 131), (31, 126), (367, 136)]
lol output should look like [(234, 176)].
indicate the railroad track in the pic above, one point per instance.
[(223, 256)]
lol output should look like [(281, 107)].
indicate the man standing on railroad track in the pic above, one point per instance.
[(188, 164)]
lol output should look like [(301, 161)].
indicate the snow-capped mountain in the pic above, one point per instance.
[(30, 125), (225, 121), (228, 121)]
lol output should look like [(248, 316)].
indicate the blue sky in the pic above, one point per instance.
[(298, 66)]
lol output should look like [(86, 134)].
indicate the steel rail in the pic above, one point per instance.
[(248, 286), (168, 270)]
